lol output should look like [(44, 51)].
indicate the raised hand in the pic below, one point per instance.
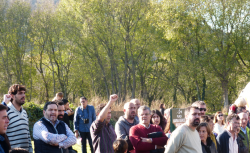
[(6, 98), (113, 98)]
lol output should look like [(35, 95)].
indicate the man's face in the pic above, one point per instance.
[(108, 116), (51, 113), (84, 102), (19, 98), (233, 125), (4, 121), (137, 104), (60, 112), (203, 109), (66, 106), (130, 111), (193, 117), (144, 116), (243, 119)]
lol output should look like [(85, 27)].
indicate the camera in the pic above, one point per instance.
[(86, 121)]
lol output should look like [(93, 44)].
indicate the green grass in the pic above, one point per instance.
[(77, 147)]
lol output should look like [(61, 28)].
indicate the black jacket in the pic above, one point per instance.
[(42, 147), (223, 142), (210, 147), (241, 147)]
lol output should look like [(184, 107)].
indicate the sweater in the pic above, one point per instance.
[(184, 140), (122, 128), (18, 129), (138, 131)]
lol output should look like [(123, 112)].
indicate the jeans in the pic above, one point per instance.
[(84, 136)]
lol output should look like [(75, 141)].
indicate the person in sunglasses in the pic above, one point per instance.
[(201, 105), (219, 122)]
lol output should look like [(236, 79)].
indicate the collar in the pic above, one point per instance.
[(83, 108), (145, 126), (230, 134), (57, 121), (243, 129), (12, 106), (1, 138)]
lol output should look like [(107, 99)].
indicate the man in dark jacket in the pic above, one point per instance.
[(227, 140), (50, 134)]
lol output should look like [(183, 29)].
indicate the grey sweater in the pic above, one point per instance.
[(122, 128)]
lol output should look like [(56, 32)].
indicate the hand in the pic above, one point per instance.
[(113, 98), (6, 98), (76, 134), (159, 147), (148, 140)]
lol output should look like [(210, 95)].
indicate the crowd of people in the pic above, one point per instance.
[(139, 130)]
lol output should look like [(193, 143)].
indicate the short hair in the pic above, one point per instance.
[(60, 103), (18, 150), (49, 103), (215, 117), (142, 108), (205, 118), (15, 88), (134, 100), (59, 94), (203, 124), (231, 117), (83, 98), (126, 104), (120, 146), (99, 108), (3, 107), (65, 101), (187, 110), (197, 103), (161, 105)]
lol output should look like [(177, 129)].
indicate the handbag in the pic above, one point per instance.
[(156, 135)]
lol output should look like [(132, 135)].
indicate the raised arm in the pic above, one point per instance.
[(104, 112)]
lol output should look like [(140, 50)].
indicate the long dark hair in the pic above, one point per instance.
[(162, 119)]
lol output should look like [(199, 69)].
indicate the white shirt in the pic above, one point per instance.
[(233, 146), (218, 129)]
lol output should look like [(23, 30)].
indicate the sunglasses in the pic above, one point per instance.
[(220, 115), (203, 109)]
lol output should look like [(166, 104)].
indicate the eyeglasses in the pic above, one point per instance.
[(220, 115), (203, 109)]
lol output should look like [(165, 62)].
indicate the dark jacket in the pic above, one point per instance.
[(223, 142), (241, 147), (210, 147), (42, 147), (67, 118)]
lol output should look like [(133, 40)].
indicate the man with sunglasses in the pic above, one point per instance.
[(201, 105)]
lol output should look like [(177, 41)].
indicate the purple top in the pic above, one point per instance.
[(102, 136)]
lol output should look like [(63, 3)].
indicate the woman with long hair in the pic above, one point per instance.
[(206, 143), (219, 122), (157, 119)]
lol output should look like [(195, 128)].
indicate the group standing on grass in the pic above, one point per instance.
[(139, 130)]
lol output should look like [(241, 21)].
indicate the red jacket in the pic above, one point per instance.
[(138, 131)]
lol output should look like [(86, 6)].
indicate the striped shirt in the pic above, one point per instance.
[(18, 129)]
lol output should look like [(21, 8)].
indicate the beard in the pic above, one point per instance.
[(196, 122), (131, 116), (60, 117)]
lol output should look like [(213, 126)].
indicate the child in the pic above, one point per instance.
[(59, 96), (120, 146)]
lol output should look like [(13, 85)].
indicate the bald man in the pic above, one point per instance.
[(137, 105), (125, 122)]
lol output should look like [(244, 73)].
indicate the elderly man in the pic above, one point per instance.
[(201, 105), (125, 122), (50, 134), (227, 140), (244, 130), (186, 139), (138, 134)]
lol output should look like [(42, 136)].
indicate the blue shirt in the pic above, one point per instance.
[(1, 149), (244, 130), (80, 115)]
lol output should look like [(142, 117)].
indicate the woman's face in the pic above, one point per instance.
[(156, 119), (203, 133), (220, 117), (211, 125)]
